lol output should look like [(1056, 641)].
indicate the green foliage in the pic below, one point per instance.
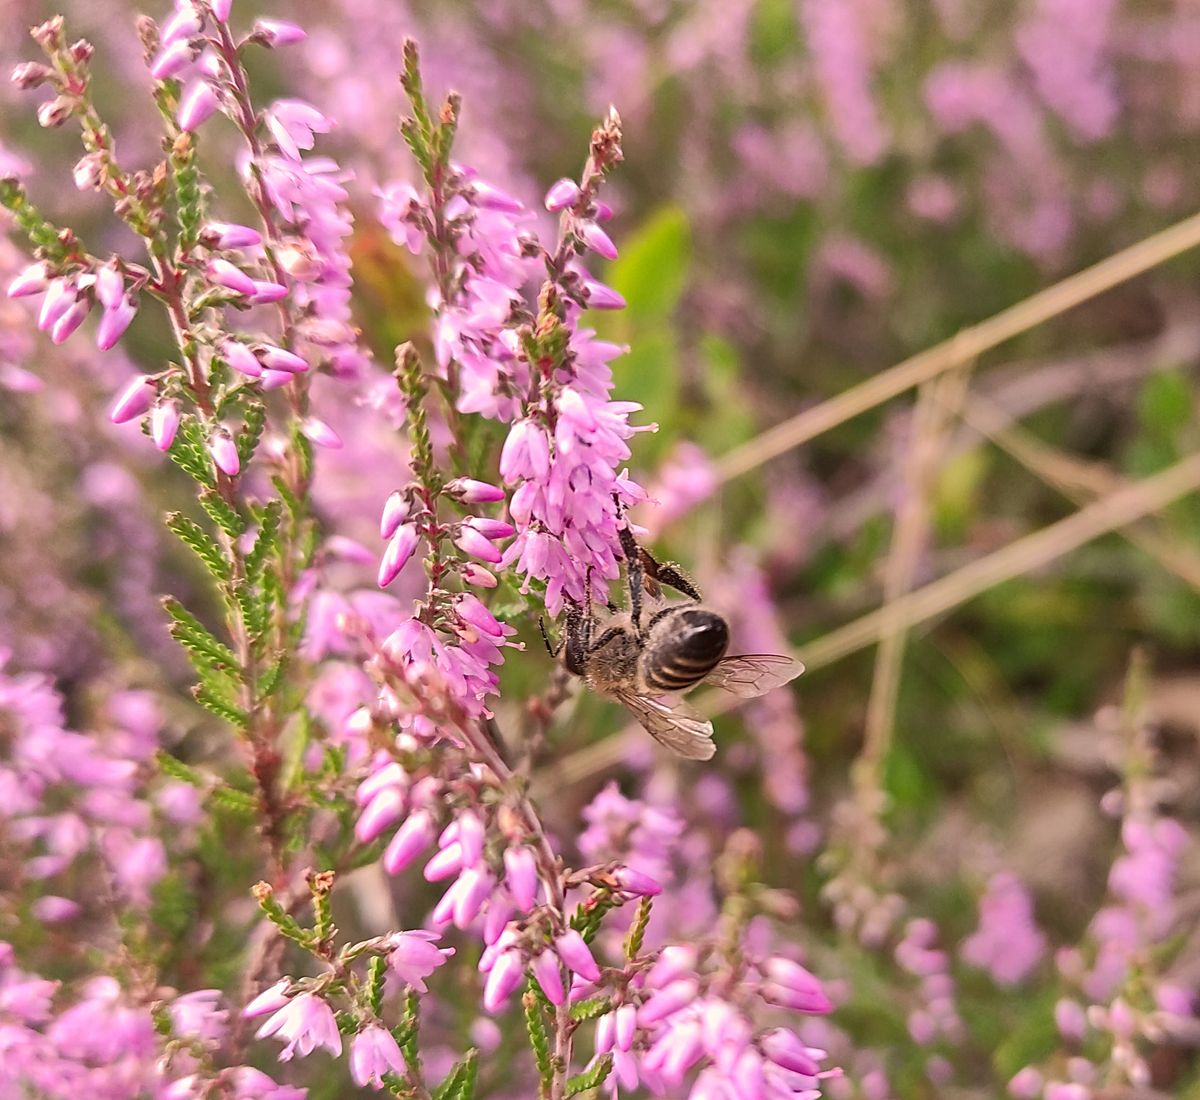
[(459, 1083), (204, 546), (637, 931), (208, 654), (591, 1009), (222, 513), (539, 1039), (592, 1078)]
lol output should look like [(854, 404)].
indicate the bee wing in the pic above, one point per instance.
[(673, 723), (752, 674)]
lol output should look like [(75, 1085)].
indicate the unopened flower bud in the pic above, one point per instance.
[(56, 111), (573, 950), (164, 423), (30, 74), (599, 296), (199, 104), (32, 280), (410, 840), (521, 877), (133, 401), (241, 358), (221, 9), (110, 286), (503, 978), (274, 358), (547, 969), (114, 322), (225, 274), (172, 59), (230, 235), (321, 433), (397, 554), (225, 453), (562, 194), (395, 512), (597, 240), (477, 545), (475, 574), (69, 321), (470, 491), (49, 35), (273, 33), (82, 51)]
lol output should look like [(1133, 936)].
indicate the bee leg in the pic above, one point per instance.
[(551, 648), (577, 637), (635, 575), (668, 573)]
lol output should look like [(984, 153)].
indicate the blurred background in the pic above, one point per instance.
[(813, 191)]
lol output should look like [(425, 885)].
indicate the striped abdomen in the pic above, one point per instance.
[(684, 645)]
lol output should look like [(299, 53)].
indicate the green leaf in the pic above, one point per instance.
[(294, 505), (637, 932), (1165, 404), (591, 1009), (177, 769), (222, 707), (224, 515), (592, 1078), (205, 547), (254, 419), (539, 1040), (408, 1032), (267, 541), (459, 1083), (271, 679), (242, 803), (188, 453), (188, 631)]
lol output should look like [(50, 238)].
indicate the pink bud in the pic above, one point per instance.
[(164, 423), (199, 104), (241, 358), (597, 240), (603, 212), (171, 60), (604, 1033), (503, 978), (1027, 1084), (380, 814), (573, 951), (786, 1050), (231, 235), (472, 542), (548, 971), (599, 296), (445, 863), (110, 286), (634, 882), (114, 322), (470, 836), (520, 874), (472, 611), (562, 194), (491, 528), (32, 280), (396, 556), (626, 1026), (470, 491), (133, 401), (221, 9), (395, 512), (474, 886), (411, 839), (183, 24), (493, 198), (69, 321), (269, 1000), (275, 379), (321, 433), (274, 358), (225, 453), (60, 297), (278, 32), (225, 274), (266, 292), (666, 1002), (477, 575)]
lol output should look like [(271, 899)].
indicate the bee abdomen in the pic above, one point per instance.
[(690, 645)]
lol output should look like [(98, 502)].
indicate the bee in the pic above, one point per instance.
[(641, 656)]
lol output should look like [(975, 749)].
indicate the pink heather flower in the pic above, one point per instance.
[(183, 24), (110, 287), (230, 235), (114, 322), (634, 882), (199, 1016), (526, 452), (493, 529), (470, 491), (562, 194), (790, 985), (269, 1000), (32, 280), (597, 240), (411, 839), (281, 359), (492, 198), (785, 1049), (221, 9), (266, 292), (164, 423), (172, 59), (305, 1023), (395, 512), (415, 955), (241, 358), (477, 575), (504, 976), (383, 811), (321, 433), (293, 123), (547, 970), (473, 612), (667, 1001), (445, 863), (60, 297), (198, 106), (521, 876), (574, 952), (278, 32), (225, 274), (224, 453), (599, 296), (133, 401), (1007, 944), (478, 545), (374, 1053), (472, 888), (399, 551), (69, 321), (51, 909), (624, 1026), (1027, 1084)]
